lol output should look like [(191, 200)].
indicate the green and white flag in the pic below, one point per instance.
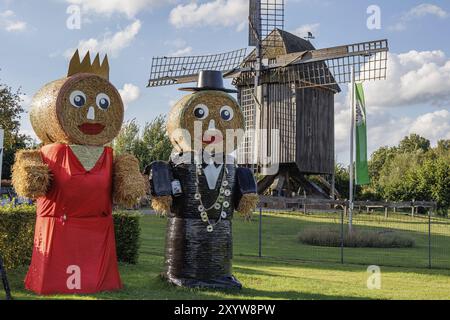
[(362, 168)]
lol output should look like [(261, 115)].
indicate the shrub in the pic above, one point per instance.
[(328, 237), (128, 233), (17, 235)]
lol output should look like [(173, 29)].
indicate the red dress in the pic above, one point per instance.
[(74, 246)]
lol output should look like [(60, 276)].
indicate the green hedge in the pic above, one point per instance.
[(17, 234), (128, 233)]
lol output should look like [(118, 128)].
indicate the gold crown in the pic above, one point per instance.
[(85, 66)]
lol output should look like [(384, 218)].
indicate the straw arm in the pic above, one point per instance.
[(128, 182), (161, 177), (31, 177), (247, 205), (248, 192), (162, 205)]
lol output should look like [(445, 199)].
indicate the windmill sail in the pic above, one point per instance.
[(322, 67), (175, 70), (292, 80), (265, 16), (369, 60), (254, 23)]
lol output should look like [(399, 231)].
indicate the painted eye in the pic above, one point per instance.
[(201, 111), (103, 101), (77, 99), (227, 113)]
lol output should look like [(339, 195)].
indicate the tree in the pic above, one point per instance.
[(10, 106), (128, 138), (18, 142), (153, 144), (413, 170), (433, 181), (342, 180), (413, 143), (443, 147), (398, 178), (378, 160), (156, 141), (440, 190), (410, 171)]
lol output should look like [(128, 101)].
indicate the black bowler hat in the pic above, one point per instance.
[(209, 80)]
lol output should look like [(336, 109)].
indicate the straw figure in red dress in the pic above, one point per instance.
[(75, 179)]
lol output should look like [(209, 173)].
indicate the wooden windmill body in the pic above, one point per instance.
[(303, 116)]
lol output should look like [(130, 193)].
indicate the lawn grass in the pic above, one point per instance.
[(288, 270)]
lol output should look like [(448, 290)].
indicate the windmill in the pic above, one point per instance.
[(284, 84)]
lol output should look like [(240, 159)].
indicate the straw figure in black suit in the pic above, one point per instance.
[(201, 186)]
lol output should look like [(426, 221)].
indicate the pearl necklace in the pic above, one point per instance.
[(222, 200)]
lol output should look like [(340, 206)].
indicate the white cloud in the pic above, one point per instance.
[(129, 94), (426, 9), (422, 10), (10, 23), (129, 7), (413, 78), (181, 52), (434, 126), (16, 26), (179, 47), (110, 44), (218, 13), (385, 129), (303, 30), (419, 79)]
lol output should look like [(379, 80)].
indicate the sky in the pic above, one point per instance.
[(37, 39)]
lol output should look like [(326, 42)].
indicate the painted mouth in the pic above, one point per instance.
[(211, 139), (91, 129)]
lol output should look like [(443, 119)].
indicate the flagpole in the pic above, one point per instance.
[(352, 142)]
